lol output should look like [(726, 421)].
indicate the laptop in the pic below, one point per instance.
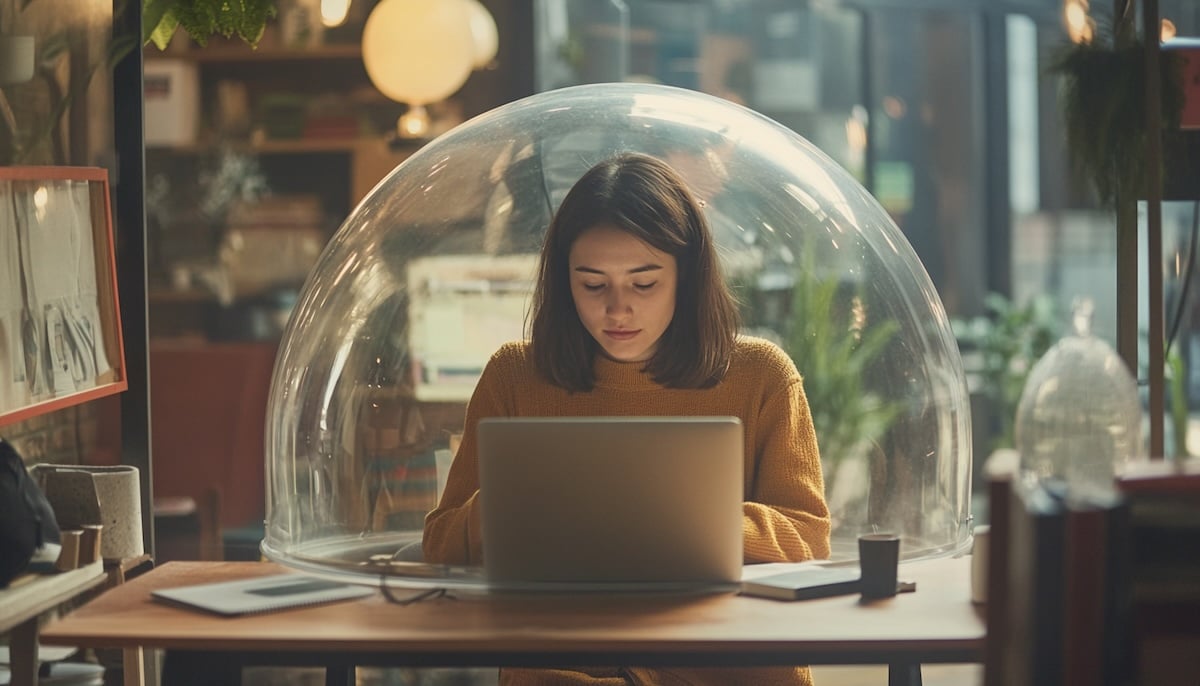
[(611, 503)]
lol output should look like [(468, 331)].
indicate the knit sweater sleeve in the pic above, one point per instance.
[(786, 518), (453, 531)]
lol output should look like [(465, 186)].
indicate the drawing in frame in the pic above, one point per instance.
[(60, 324)]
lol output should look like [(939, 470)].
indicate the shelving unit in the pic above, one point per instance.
[(241, 53), (303, 126), (277, 101)]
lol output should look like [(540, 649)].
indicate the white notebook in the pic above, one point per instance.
[(262, 594)]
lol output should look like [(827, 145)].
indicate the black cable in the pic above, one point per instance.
[(418, 596)]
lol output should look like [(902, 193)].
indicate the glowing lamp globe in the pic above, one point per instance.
[(419, 52), (434, 270), (484, 36)]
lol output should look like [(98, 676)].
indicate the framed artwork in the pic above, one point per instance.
[(60, 324)]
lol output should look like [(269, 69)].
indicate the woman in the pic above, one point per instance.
[(632, 317)]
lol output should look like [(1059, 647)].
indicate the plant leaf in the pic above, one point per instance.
[(163, 31), (153, 13)]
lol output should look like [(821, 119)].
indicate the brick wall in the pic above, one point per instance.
[(67, 436)]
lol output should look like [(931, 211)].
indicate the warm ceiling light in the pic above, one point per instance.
[(1168, 30), (484, 34), (420, 52), (1079, 24), (333, 12)]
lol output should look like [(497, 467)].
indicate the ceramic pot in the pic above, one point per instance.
[(16, 59), (106, 495)]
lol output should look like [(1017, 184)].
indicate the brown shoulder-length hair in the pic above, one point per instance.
[(647, 198)]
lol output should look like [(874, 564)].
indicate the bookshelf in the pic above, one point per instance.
[(230, 128), (1095, 588)]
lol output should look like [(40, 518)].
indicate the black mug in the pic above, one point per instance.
[(879, 559)]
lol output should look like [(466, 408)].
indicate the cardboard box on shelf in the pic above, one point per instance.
[(172, 102)]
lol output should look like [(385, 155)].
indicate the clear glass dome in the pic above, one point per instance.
[(1079, 417), (432, 271)]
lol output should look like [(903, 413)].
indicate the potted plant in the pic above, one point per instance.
[(999, 348), (16, 56), (28, 61), (1103, 105), (202, 19)]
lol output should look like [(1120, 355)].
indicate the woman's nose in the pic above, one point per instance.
[(617, 303)]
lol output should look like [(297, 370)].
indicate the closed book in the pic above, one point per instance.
[(1036, 581), (1097, 593), (804, 583)]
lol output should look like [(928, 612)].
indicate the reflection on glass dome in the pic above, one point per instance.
[(432, 273)]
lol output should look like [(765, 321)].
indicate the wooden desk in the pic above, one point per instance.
[(937, 623)]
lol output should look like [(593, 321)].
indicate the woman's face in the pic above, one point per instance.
[(624, 291)]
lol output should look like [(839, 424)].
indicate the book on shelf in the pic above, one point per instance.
[(1164, 556), (1164, 503), (1035, 560), (1097, 592), (1000, 470), (1061, 582)]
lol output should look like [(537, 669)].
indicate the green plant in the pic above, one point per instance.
[(834, 347), (202, 19), (1102, 98), (1001, 346), (40, 140)]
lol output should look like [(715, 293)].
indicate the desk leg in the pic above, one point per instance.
[(904, 674), (131, 666), (23, 652), (339, 675)]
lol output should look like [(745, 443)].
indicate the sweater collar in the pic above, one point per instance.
[(622, 375)]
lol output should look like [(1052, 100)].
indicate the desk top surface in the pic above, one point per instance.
[(935, 623)]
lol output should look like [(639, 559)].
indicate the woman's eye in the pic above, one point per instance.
[(593, 287), (645, 286)]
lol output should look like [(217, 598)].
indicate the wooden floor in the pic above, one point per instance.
[(931, 675)]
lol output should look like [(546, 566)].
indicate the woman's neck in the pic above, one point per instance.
[(622, 375)]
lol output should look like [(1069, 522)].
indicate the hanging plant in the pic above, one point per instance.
[(1104, 112), (202, 19)]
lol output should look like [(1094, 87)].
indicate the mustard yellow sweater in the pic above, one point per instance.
[(785, 515)]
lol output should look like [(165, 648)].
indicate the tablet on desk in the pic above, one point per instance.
[(261, 594)]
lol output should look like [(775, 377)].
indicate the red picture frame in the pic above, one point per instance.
[(60, 321)]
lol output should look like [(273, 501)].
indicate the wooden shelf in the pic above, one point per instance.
[(286, 146), (30, 595), (237, 53)]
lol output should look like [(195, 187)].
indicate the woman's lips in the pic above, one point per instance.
[(621, 334)]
